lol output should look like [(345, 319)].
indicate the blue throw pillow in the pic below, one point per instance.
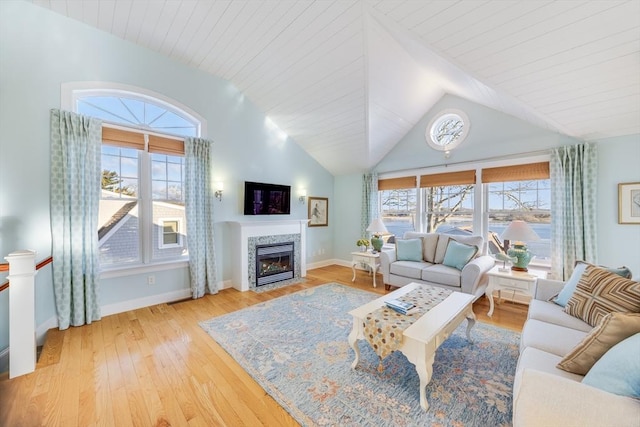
[(409, 250), (458, 254), (618, 370), (570, 286)]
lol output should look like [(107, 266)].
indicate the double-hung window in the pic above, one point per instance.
[(398, 201), (477, 201), (142, 214), (521, 192), (448, 202)]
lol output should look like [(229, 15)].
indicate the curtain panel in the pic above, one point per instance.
[(75, 200), (369, 209), (573, 172), (199, 203)]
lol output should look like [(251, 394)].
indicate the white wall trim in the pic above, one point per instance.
[(116, 308)]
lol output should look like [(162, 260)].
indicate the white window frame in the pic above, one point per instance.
[(161, 233), (70, 92), (480, 212)]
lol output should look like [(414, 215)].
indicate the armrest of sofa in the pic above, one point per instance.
[(474, 273), (544, 399), (547, 288), (387, 256)]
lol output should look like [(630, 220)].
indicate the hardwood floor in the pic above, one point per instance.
[(156, 367)]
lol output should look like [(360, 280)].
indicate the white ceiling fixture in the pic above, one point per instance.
[(348, 79)]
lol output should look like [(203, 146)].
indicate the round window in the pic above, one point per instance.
[(447, 130)]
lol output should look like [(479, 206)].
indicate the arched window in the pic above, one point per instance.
[(142, 217)]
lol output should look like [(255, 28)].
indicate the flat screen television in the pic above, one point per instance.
[(266, 199)]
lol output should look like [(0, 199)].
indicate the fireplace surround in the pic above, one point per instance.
[(246, 236)]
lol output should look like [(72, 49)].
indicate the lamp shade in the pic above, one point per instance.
[(519, 231), (377, 227)]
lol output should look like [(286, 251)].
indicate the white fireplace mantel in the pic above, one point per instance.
[(242, 231)]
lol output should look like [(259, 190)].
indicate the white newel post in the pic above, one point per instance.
[(22, 314)]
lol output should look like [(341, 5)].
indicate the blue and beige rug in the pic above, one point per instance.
[(296, 348)]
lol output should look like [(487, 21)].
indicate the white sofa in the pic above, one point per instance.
[(472, 279), (547, 396)]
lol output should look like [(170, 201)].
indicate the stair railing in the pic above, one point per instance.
[(22, 317)]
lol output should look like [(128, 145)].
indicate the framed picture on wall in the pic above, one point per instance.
[(318, 211), (629, 203)]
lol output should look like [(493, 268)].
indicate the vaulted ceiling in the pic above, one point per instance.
[(347, 79)]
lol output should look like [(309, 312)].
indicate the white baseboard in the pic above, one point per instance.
[(321, 264), (119, 307)]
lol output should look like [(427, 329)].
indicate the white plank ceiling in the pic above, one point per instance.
[(347, 79)]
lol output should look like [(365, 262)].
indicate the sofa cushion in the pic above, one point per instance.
[(570, 286), (618, 370), (552, 313), (409, 250), (411, 269), (600, 292), (438, 273), (533, 358), (429, 244), (613, 328), (458, 254), (548, 337)]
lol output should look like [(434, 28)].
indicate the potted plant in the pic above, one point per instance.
[(363, 244)]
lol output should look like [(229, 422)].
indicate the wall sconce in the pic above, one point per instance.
[(302, 193), (219, 190)]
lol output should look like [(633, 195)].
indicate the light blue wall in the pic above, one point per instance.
[(40, 50), (494, 134), (348, 197), (618, 162)]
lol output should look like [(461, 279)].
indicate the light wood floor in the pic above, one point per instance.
[(156, 367)]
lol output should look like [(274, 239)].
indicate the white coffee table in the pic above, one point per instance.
[(420, 340)]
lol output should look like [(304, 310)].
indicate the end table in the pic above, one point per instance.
[(368, 258), (523, 282)]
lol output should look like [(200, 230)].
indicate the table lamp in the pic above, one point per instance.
[(377, 228), (519, 232)]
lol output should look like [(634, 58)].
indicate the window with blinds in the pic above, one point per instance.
[(521, 192), (398, 201), (448, 202), (141, 215)]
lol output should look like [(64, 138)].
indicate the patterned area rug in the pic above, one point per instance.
[(296, 348)]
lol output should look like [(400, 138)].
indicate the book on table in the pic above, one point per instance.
[(399, 306)]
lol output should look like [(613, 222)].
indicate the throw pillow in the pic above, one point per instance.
[(613, 328), (409, 250), (458, 254), (599, 293), (429, 244), (618, 371), (441, 248), (570, 286)]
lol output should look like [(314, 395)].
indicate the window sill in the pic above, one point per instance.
[(142, 269)]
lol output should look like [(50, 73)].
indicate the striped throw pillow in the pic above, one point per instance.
[(599, 293)]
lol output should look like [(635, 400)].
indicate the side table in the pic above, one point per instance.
[(522, 282), (368, 258)]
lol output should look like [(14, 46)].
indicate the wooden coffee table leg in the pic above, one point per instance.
[(424, 367), (353, 340), (471, 321)]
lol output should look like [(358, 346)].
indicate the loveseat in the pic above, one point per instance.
[(435, 262), (544, 394)]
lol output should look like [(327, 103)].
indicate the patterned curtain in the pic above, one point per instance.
[(199, 200), (75, 200), (369, 209), (573, 171)]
